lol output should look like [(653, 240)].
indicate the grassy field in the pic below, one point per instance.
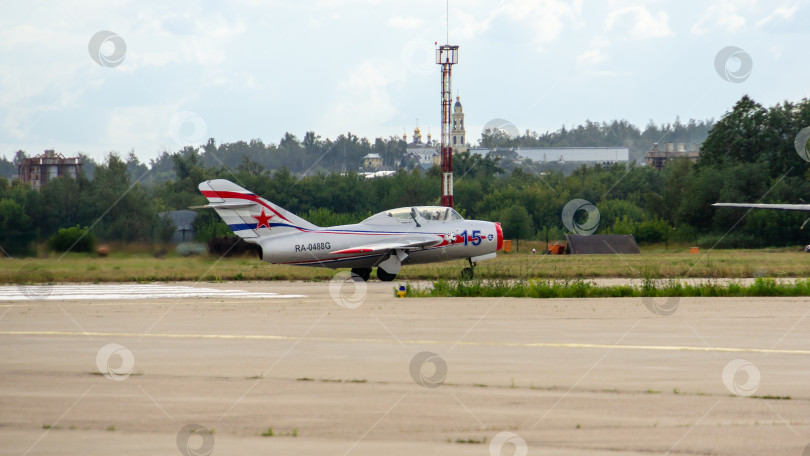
[(580, 288), (654, 262)]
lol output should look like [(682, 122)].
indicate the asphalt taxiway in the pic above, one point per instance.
[(208, 368)]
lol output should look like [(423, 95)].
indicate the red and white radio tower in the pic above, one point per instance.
[(447, 56)]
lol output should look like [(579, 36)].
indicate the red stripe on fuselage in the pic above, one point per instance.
[(341, 252)]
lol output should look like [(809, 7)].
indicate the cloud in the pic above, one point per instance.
[(470, 26), (644, 23), (543, 20), (607, 74), (591, 57), (722, 17), (732, 17), (361, 98), (127, 126), (406, 23), (782, 12), (546, 18), (164, 38)]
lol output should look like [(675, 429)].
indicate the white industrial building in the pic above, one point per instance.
[(587, 155)]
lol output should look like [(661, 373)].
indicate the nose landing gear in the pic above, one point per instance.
[(468, 273)]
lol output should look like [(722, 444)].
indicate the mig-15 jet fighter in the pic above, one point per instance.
[(386, 241)]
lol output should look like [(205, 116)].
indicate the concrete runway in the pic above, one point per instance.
[(93, 370)]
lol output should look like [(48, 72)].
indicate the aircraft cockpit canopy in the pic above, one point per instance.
[(424, 213)]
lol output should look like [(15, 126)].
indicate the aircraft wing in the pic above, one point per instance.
[(781, 207), (407, 243)]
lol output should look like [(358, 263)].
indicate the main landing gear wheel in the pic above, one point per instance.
[(384, 276), (363, 273)]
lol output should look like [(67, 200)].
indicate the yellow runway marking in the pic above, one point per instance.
[(413, 342)]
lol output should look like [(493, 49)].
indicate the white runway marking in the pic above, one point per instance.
[(415, 342), (127, 291)]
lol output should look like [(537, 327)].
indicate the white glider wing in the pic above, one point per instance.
[(781, 207)]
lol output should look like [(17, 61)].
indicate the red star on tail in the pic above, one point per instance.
[(262, 219)]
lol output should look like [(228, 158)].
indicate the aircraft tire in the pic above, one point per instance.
[(363, 273), (384, 276), (467, 273)]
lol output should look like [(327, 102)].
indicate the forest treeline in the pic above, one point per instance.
[(747, 156), (314, 154)]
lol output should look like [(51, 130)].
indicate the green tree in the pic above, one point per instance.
[(516, 223), (62, 201), (250, 167), (13, 216), (73, 239)]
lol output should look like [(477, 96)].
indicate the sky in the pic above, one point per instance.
[(115, 75)]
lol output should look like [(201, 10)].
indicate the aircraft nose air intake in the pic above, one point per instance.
[(499, 230)]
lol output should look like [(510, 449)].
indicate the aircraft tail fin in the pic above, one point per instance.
[(247, 214)]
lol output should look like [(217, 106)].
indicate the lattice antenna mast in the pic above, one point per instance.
[(447, 56)]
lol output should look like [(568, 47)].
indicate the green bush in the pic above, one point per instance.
[(729, 241), (651, 231), (75, 239), (683, 233), (18, 244), (646, 231)]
